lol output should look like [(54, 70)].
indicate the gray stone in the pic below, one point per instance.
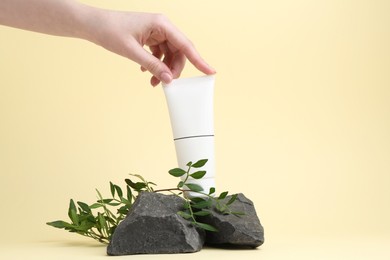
[(236, 231), (153, 227)]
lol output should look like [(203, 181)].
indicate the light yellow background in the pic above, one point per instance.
[(302, 121)]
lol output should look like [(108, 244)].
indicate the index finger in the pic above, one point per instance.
[(180, 42)]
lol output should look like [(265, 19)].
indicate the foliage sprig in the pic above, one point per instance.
[(100, 219)]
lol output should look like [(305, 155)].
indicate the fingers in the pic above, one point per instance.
[(154, 81), (169, 44), (174, 61), (167, 60), (156, 52), (154, 65), (178, 41), (177, 64)]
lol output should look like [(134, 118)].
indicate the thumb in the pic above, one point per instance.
[(155, 66)]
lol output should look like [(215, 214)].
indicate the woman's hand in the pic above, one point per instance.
[(125, 33)]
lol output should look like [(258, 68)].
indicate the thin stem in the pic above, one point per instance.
[(171, 189), (107, 211), (92, 234), (191, 212), (187, 174)]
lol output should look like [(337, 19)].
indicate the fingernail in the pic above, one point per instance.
[(166, 78), (213, 70)]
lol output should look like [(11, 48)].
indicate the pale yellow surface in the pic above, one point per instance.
[(297, 247), (302, 120)]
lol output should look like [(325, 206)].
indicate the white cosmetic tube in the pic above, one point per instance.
[(190, 105)]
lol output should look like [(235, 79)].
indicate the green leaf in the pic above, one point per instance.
[(110, 220), (114, 204), (206, 227), (118, 191), (223, 195), (198, 174), (189, 164), (84, 207), (200, 163), (136, 186), (105, 201), (180, 185), (59, 224), (184, 215), (125, 201), (95, 206), (232, 199), (129, 182), (197, 199), (86, 226), (74, 217), (177, 172), (202, 204), (86, 218), (139, 177), (221, 207), (212, 190), (186, 205), (139, 186), (194, 187), (102, 221), (123, 210), (129, 194), (99, 194), (72, 206), (202, 213), (112, 188), (238, 213)]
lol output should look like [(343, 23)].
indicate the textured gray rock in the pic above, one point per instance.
[(240, 231), (153, 227)]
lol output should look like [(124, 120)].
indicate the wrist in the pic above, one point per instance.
[(87, 18)]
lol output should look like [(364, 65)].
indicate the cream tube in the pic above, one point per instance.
[(190, 105)]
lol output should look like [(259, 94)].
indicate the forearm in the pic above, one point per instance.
[(55, 17), (124, 33)]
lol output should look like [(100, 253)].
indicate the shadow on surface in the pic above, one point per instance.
[(231, 247), (73, 243)]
